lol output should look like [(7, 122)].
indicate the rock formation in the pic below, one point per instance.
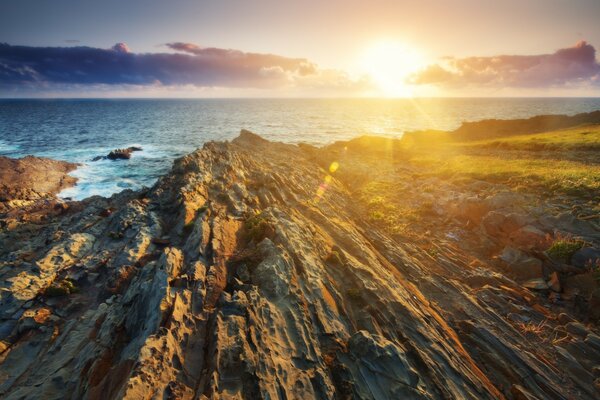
[(122, 154), (118, 154), (28, 186), (250, 272)]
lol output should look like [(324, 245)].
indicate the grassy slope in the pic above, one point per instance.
[(565, 161)]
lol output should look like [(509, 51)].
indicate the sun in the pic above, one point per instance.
[(389, 63)]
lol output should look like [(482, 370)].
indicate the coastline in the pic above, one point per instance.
[(316, 267)]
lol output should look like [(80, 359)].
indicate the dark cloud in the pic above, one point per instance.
[(25, 66), (256, 61), (569, 66)]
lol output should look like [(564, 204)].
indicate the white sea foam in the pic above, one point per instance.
[(106, 177), (7, 149), (169, 129)]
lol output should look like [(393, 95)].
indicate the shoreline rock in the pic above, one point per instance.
[(31, 178), (251, 270)]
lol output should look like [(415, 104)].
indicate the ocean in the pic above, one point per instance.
[(79, 130)]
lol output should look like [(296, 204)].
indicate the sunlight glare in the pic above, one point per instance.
[(389, 64)]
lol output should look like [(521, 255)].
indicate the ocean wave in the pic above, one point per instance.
[(106, 177), (8, 148)]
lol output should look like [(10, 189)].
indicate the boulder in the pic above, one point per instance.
[(586, 256), (501, 225), (521, 266), (536, 284), (582, 284), (530, 237), (470, 209), (505, 200)]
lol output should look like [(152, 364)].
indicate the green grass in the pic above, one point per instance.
[(585, 138), (398, 190), (563, 249), (562, 161), (385, 208), (555, 175)]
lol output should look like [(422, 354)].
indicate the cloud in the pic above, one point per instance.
[(40, 67), (566, 67)]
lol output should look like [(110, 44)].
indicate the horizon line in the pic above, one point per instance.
[(302, 98)]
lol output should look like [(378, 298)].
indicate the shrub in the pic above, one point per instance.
[(563, 249)]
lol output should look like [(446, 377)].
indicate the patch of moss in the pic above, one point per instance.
[(61, 288), (563, 249)]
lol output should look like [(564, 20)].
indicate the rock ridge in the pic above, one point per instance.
[(249, 272)]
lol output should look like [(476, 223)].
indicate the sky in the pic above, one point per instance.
[(268, 48)]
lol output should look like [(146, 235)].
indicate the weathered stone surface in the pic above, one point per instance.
[(521, 266), (31, 178), (501, 225), (530, 237), (586, 257), (268, 287)]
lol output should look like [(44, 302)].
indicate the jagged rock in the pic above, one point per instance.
[(245, 300), (28, 186), (384, 368), (30, 178), (119, 154)]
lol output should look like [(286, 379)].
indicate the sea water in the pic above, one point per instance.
[(79, 130)]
